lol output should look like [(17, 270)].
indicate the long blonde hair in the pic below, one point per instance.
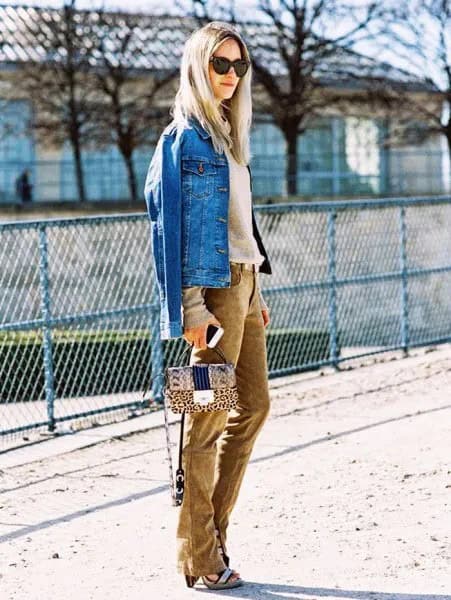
[(195, 97)]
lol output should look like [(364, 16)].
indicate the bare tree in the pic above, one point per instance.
[(56, 80), (294, 46), (418, 35), (131, 105)]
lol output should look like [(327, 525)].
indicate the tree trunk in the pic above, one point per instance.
[(448, 175), (291, 172), (131, 176), (79, 170)]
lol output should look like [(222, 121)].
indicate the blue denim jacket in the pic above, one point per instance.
[(187, 197)]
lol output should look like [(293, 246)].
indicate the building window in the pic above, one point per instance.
[(105, 174), (336, 156), (16, 146), (267, 158)]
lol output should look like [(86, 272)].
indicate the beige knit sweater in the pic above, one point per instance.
[(243, 247)]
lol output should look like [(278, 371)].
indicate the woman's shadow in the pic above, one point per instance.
[(275, 591)]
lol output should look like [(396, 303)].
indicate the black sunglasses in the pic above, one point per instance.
[(222, 65)]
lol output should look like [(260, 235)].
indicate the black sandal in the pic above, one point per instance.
[(224, 556)]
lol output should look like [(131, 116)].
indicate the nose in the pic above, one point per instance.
[(231, 75), (231, 72)]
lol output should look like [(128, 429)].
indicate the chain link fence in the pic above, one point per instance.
[(79, 307)]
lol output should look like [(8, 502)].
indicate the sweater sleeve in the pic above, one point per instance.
[(194, 309)]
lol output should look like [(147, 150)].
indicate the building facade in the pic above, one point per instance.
[(341, 154)]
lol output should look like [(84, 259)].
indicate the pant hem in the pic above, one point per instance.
[(209, 569)]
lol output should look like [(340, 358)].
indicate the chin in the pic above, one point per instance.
[(228, 95)]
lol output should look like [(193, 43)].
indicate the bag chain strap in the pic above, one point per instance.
[(168, 447)]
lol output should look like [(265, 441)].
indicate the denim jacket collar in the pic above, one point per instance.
[(198, 127)]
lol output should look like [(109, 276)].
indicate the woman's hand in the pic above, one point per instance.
[(266, 319), (198, 334)]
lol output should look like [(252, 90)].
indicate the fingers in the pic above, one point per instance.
[(198, 335), (196, 339), (201, 339)]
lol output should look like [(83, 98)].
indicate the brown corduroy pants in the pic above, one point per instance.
[(217, 445)]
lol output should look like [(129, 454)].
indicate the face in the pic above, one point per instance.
[(224, 86)]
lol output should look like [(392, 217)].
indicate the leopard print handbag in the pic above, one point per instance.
[(203, 387)]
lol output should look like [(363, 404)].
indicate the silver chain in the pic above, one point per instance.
[(168, 446)]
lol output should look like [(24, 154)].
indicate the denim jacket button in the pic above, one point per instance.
[(200, 168)]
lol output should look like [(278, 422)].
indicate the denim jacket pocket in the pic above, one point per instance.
[(198, 177)]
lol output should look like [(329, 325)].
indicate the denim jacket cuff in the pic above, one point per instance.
[(173, 329)]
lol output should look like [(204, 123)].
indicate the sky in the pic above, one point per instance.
[(129, 5)]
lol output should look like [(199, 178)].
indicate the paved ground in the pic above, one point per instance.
[(348, 496)]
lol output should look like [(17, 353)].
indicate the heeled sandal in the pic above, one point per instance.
[(223, 582), (191, 580)]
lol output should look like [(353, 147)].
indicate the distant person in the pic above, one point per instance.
[(24, 187)]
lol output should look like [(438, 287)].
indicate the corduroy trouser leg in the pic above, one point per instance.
[(217, 445)]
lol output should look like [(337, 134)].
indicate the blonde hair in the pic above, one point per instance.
[(195, 97)]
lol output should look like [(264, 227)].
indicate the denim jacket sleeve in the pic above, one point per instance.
[(162, 192)]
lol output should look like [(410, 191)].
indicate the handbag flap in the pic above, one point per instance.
[(220, 375)]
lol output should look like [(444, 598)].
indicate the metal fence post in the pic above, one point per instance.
[(156, 353), (46, 328), (332, 287), (404, 282)]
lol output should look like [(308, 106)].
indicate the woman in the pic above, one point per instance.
[(207, 254)]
